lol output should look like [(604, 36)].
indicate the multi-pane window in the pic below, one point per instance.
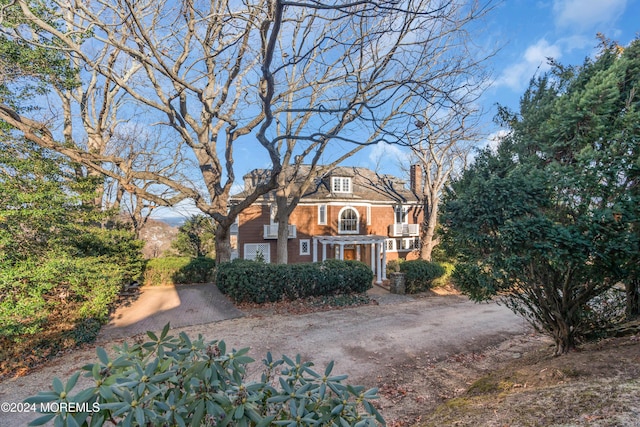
[(401, 214), (402, 245), (305, 247), (391, 244), (341, 184), (255, 251), (348, 221), (322, 215)]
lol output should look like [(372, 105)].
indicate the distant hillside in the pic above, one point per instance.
[(174, 221), (158, 235)]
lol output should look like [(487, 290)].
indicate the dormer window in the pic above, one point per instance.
[(340, 184)]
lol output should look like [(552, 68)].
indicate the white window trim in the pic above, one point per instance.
[(357, 230), (368, 214), (405, 214), (340, 188), (308, 242), (391, 245), (322, 222), (251, 251), (407, 244)]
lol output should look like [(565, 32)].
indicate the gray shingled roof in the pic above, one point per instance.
[(366, 185)]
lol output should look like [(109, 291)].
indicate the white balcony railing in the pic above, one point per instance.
[(271, 231), (404, 230)]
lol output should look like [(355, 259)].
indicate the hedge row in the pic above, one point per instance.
[(420, 274), (178, 270), (251, 281)]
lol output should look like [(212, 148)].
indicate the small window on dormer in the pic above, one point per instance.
[(340, 184)]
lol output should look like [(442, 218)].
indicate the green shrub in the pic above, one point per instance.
[(30, 291), (178, 270), (446, 278), (115, 246), (393, 266), (419, 274), (52, 305), (178, 381), (251, 281)]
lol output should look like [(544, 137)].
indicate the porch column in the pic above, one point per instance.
[(373, 257), (378, 264), (324, 251), (384, 260), (315, 249), (341, 257)]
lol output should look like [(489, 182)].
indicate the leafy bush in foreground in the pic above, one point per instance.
[(251, 281), (178, 381)]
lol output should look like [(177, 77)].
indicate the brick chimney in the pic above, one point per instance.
[(415, 179)]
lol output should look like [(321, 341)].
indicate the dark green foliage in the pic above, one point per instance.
[(420, 274), (549, 221), (60, 272), (179, 381), (196, 237), (115, 246), (178, 270), (251, 281)]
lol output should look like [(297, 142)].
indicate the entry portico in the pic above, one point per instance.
[(377, 244)]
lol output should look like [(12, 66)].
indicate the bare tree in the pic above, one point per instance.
[(287, 77), (442, 146), (402, 58)]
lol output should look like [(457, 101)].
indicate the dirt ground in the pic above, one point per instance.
[(519, 383), (437, 361)]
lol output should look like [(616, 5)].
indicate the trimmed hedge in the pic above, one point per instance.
[(251, 281), (179, 270), (420, 274)]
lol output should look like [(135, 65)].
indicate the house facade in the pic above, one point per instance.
[(348, 213)]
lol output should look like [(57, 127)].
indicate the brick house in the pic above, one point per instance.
[(347, 213)]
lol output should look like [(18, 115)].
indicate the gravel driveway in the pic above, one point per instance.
[(362, 341)]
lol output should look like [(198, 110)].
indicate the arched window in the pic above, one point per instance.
[(348, 221)]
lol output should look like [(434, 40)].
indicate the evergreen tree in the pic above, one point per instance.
[(549, 221), (196, 237)]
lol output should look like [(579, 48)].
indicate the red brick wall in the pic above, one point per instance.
[(305, 217)]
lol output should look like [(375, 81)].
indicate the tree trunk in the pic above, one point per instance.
[(632, 288), (564, 338), (282, 219), (428, 230), (283, 240), (223, 244)]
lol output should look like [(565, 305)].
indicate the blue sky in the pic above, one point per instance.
[(528, 32)]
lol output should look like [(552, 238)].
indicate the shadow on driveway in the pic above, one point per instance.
[(182, 305)]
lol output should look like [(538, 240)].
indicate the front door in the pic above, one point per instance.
[(349, 254)]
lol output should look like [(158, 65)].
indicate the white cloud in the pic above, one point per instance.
[(533, 60), (385, 153), (586, 15), (494, 139), (539, 52)]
